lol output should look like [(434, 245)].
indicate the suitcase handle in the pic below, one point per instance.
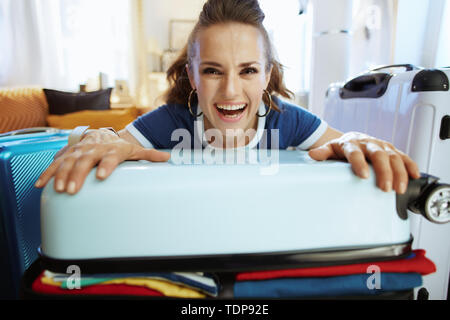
[(29, 131), (372, 85), (407, 66)]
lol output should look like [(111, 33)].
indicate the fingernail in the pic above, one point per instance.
[(71, 187), (38, 183), (101, 173), (365, 174), (402, 187), (59, 185), (388, 186)]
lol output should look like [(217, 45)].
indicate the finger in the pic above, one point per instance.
[(322, 153), (381, 165), (150, 155), (54, 166), (61, 152), (399, 173), (63, 171), (81, 169), (48, 173), (107, 165), (355, 156), (411, 166)]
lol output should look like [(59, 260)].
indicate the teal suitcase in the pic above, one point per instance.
[(24, 155)]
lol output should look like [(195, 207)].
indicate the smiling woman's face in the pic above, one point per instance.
[(229, 71)]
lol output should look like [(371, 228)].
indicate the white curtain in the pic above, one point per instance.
[(61, 44), (21, 50)]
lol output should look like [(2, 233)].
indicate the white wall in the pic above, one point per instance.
[(372, 35), (418, 43), (410, 36), (443, 49), (330, 55), (157, 16)]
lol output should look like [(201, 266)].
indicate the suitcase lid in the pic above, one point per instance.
[(290, 203)]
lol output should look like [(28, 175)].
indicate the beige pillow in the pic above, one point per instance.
[(116, 118)]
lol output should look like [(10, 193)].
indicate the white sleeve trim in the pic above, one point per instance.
[(305, 145), (139, 136)]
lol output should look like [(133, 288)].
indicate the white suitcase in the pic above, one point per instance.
[(219, 217), (411, 109)]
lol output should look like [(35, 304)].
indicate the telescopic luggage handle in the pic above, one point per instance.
[(407, 66), (427, 197), (30, 130)]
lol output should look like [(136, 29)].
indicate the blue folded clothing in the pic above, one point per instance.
[(356, 284)]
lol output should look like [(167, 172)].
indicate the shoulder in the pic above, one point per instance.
[(289, 114), (167, 114), (294, 123), (170, 108), (157, 125)]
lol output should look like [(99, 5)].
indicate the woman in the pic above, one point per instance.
[(217, 85)]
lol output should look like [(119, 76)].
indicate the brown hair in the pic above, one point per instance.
[(216, 12)]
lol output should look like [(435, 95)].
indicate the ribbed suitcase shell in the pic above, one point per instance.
[(22, 159)]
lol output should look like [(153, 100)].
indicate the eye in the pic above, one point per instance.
[(249, 70), (211, 71)]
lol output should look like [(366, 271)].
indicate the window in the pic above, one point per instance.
[(60, 44), (95, 37)]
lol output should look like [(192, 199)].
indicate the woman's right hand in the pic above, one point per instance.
[(98, 147)]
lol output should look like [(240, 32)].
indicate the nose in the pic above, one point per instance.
[(231, 86)]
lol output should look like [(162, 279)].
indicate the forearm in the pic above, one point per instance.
[(329, 135)]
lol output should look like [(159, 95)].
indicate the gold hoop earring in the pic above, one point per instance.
[(270, 104), (189, 104)]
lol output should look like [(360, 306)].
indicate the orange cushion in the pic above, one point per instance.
[(116, 118), (22, 108)]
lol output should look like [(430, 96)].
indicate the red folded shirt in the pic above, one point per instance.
[(99, 289), (419, 264)]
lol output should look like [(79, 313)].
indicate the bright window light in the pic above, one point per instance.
[(95, 38), (289, 32)]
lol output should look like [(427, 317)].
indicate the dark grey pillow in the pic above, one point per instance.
[(60, 102)]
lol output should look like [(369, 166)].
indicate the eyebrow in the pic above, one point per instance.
[(215, 64)]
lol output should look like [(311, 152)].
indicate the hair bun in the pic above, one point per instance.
[(245, 11)]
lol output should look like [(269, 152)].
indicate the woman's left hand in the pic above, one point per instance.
[(392, 167)]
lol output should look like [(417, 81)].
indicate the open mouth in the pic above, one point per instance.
[(231, 111)]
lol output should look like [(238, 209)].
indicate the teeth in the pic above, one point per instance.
[(231, 107), (231, 116)]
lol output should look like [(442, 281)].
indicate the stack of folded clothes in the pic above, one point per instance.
[(352, 280), (169, 284), (336, 281)]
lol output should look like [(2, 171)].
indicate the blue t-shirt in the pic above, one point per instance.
[(293, 126)]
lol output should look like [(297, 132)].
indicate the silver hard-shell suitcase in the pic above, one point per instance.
[(410, 107)]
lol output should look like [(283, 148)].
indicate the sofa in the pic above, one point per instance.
[(27, 107)]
